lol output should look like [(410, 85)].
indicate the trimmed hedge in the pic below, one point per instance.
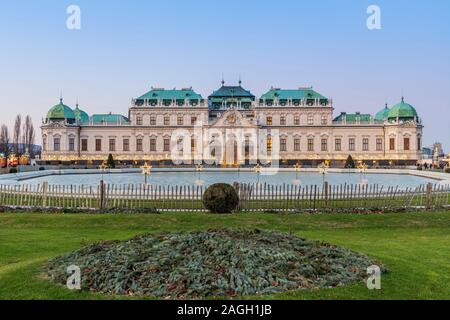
[(220, 198)]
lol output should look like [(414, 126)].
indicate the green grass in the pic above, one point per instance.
[(414, 246)]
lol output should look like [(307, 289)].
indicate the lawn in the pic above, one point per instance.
[(414, 246)]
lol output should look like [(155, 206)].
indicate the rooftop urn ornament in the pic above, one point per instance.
[(199, 169), (297, 167), (146, 170)]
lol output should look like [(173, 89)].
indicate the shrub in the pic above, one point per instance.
[(220, 198), (447, 170), (350, 163), (41, 169), (110, 162), (13, 170)]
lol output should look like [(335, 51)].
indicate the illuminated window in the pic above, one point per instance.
[(310, 120), (324, 119), (269, 144), (193, 120), (269, 121), (192, 145)]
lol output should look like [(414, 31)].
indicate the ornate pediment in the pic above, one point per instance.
[(233, 118)]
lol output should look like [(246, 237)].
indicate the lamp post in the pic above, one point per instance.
[(103, 168), (146, 170), (297, 168), (362, 170), (257, 169), (199, 169), (323, 169)]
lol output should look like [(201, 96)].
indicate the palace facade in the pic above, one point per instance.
[(232, 127)]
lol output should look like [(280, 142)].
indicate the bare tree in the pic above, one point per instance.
[(28, 135), (16, 135), (5, 146)]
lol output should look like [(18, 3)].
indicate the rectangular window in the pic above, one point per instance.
[(297, 144), (84, 145), (126, 145), (166, 144), (193, 120), (44, 144), (71, 144), (324, 145), (296, 121), (365, 144), (153, 121), (57, 144), (351, 144), (269, 121), (419, 144), (324, 119), (98, 144), (139, 145), (338, 144), (269, 144), (310, 144), (192, 145), (166, 120), (379, 144), (406, 144), (112, 144), (139, 120), (152, 145), (180, 145), (392, 144), (283, 144), (282, 121), (310, 120)]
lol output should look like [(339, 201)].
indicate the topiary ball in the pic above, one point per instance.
[(220, 198)]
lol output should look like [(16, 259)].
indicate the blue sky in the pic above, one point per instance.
[(124, 48)]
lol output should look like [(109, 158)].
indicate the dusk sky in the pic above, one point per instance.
[(125, 47)]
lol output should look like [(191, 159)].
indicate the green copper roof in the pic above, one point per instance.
[(109, 119), (80, 115), (162, 94), (231, 92), (297, 94), (382, 114), (61, 111), (402, 110), (352, 117)]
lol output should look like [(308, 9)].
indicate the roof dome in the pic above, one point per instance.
[(61, 111), (382, 114), (80, 115), (402, 110)]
